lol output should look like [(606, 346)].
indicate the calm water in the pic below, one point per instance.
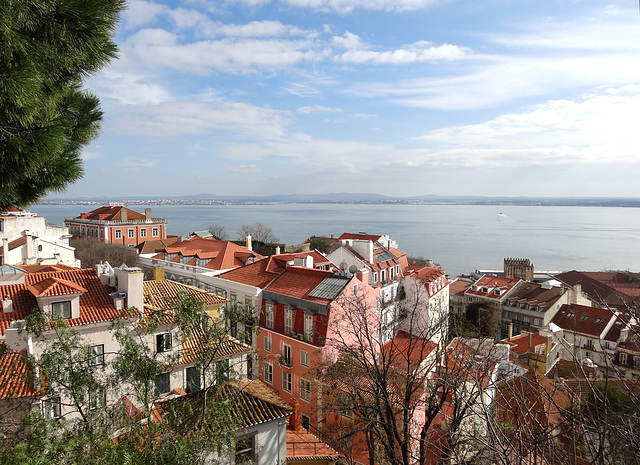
[(460, 237)]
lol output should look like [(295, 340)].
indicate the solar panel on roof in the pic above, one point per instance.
[(329, 288), (383, 257)]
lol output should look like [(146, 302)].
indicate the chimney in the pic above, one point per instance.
[(147, 215), (124, 214), (294, 420), (30, 246), (277, 250), (7, 305), (5, 250), (510, 330), (363, 275), (158, 273), (576, 293), (130, 281), (364, 248), (249, 243), (530, 341), (547, 347)]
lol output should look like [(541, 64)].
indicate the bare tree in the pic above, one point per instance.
[(219, 231), (258, 231), (90, 252), (407, 400)]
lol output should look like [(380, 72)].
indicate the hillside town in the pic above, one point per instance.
[(352, 352)]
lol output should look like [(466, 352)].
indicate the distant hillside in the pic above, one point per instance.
[(346, 197)]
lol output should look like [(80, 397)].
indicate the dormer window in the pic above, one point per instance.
[(485, 289), (61, 310)]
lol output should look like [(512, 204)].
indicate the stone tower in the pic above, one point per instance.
[(518, 268)]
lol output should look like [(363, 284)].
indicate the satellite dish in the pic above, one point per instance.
[(343, 266), (353, 269)]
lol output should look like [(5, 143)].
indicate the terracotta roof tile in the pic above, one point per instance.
[(55, 286), (224, 254), (112, 213), (46, 268), (95, 304), (300, 282), (585, 320), (15, 375)]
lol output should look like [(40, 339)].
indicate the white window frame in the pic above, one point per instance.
[(97, 399), (267, 343), (287, 357), (269, 316), (143, 232), (287, 381), (375, 276), (305, 389), (117, 233), (52, 407), (305, 359), (61, 310), (163, 342), (155, 232), (288, 320), (308, 327), (131, 233), (96, 355), (268, 372)]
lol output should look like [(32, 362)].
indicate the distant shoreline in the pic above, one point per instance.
[(534, 202)]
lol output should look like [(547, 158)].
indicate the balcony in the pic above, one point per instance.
[(286, 361), (313, 338)]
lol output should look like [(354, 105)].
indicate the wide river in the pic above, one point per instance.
[(461, 238)]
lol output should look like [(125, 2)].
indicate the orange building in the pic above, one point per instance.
[(117, 225)]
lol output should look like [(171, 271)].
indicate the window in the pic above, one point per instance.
[(269, 316), (375, 276), (286, 381), (61, 310), (118, 234), (268, 372), (599, 321), (397, 269), (143, 232), (584, 317), (154, 232), (355, 290), (267, 343), (96, 355), (51, 408), (308, 327), (131, 233), (288, 317), (246, 450), (304, 358), (193, 379), (305, 421), (97, 399), (346, 410), (163, 342), (382, 276), (305, 389), (286, 355), (163, 383), (222, 371), (391, 273)]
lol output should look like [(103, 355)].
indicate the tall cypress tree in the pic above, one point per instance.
[(47, 48)]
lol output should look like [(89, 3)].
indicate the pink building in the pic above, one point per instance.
[(117, 225)]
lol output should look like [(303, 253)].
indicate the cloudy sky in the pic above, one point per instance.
[(396, 97)]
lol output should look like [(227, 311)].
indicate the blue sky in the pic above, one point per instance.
[(396, 97)]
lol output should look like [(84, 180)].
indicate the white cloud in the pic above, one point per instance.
[(347, 6), (134, 164), (404, 56), (596, 129), (181, 118), (251, 168), (158, 48), (127, 88), (349, 41), (316, 108)]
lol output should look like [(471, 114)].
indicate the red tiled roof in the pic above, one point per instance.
[(492, 282), (587, 320), (299, 282), (459, 287), (303, 444), (366, 237), (15, 375), (46, 268), (112, 213), (258, 274), (156, 245), (535, 294), (95, 303), (520, 343), (406, 348), (55, 286), (223, 254)]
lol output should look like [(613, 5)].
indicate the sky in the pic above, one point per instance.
[(393, 97)]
